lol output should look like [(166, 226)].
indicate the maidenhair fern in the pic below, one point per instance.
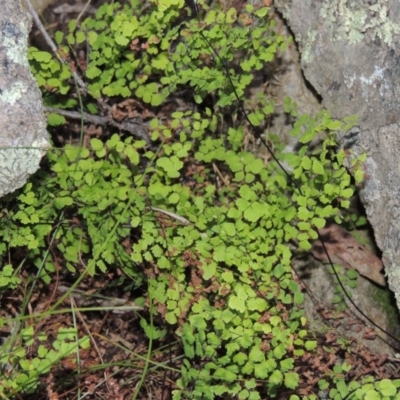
[(214, 254)]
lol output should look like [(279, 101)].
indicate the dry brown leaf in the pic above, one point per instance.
[(346, 251)]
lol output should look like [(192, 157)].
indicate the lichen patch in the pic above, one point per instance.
[(350, 20)]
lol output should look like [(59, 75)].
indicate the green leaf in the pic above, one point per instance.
[(209, 270), (261, 12), (298, 298), (96, 144), (333, 125), (318, 222), (252, 213), (256, 355), (372, 395), (257, 304), (247, 193), (42, 56), (225, 375), (291, 380), (92, 72), (228, 228), (276, 378), (279, 351), (311, 344), (170, 317), (236, 303), (317, 167), (132, 154), (55, 119), (151, 331), (80, 37), (286, 364), (260, 371), (305, 245), (174, 198), (352, 274), (171, 165), (304, 213), (330, 189), (227, 316), (306, 162), (240, 358), (347, 193), (58, 37), (386, 387), (255, 118)]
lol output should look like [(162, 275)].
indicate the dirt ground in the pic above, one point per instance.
[(114, 365)]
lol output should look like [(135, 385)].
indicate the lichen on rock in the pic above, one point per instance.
[(351, 20), (23, 137)]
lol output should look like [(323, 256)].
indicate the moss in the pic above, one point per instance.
[(385, 300), (382, 296)]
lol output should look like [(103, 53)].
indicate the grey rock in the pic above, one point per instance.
[(23, 135), (350, 53)]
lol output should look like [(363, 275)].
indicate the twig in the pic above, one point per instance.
[(134, 128), (116, 305), (223, 179), (182, 220), (83, 10)]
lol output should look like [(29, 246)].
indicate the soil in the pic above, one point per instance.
[(113, 366)]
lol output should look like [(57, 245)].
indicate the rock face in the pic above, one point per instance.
[(348, 324), (350, 54), (23, 135)]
